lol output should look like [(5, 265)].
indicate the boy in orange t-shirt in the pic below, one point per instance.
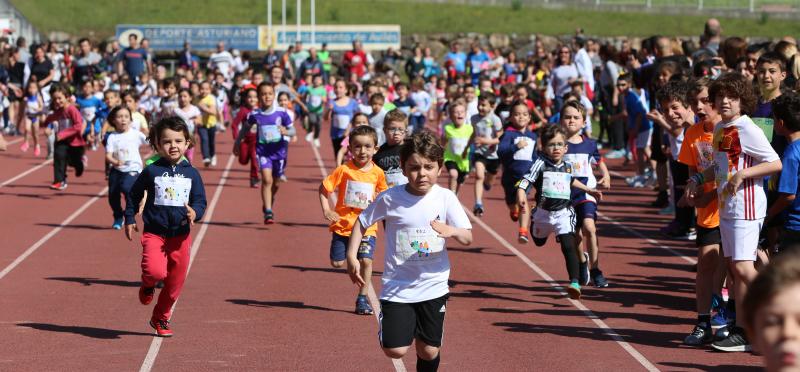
[(697, 153), (356, 184)]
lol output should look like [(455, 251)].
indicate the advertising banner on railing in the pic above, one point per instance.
[(201, 37), (338, 37)]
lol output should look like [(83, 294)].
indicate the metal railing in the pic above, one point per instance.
[(744, 6)]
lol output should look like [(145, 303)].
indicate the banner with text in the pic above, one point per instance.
[(338, 37), (201, 37)]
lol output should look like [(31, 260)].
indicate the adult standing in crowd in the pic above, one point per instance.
[(86, 62), (133, 60), (221, 60)]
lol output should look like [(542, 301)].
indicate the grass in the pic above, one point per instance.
[(87, 18)]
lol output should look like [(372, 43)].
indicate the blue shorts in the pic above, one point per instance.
[(509, 188), (587, 209), (339, 247)]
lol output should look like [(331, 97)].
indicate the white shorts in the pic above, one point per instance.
[(643, 139), (740, 238), (558, 222)]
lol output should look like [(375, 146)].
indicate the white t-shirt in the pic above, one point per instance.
[(188, 114), (487, 127), (416, 266), (125, 146), (738, 145), (223, 61)]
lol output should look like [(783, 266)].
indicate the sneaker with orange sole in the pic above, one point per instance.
[(523, 236), (161, 327)]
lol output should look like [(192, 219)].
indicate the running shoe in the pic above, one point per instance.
[(117, 224), (362, 306), (701, 334), (478, 210), (724, 331), (616, 154), (161, 327), (25, 146), (59, 185), (723, 317), (146, 295), (37, 150), (269, 217), (523, 237), (284, 178), (583, 273), (514, 214), (598, 279), (253, 182), (316, 142), (206, 162), (214, 161), (736, 341), (692, 234), (574, 290), (309, 137)]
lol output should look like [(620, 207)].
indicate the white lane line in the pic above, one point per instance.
[(588, 313), (52, 233), (399, 366), (18, 140), (25, 173), (642, 236), (155, 345)]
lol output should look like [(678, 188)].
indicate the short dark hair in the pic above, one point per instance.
[(734, 85), (112, 115), (364, 130), (264, 84), (674, 91), (548, 132), (425, 144), (174, 123), (787, 108), (130, 93), (59, 88), (774, 58), (487, 96)]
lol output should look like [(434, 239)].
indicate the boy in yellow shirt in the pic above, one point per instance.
[(208, 127), (356, 184)]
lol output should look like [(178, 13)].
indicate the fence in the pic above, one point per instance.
[(20, 25)]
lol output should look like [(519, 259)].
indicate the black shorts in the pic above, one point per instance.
[(462, 176), (655, 145), (509, 188), (790, 241), (492, 165), (401, 323), (707, 236)]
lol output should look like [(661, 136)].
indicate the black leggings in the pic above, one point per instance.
[(568, 247)]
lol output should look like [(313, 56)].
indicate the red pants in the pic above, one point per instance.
[(165, 259), (247, 153)]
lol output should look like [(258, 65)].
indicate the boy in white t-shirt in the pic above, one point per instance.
[(419, 217), (122, 153), (742, 158)]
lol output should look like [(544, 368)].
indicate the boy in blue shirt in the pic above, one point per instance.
[(90, 106), (786, 111), (517, 152), (639, 128)]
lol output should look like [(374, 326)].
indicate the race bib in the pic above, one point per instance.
[(270, 134), (124, 155), (419, 244), (358, 194), (341, 121), (766, 125), (88, 113), (525, 153), (705, 155), (457, 145), (721, 168), (395, 178), (316, 101), (172, 191), (556, 185)]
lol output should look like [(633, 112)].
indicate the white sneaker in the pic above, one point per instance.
[(639, 182), (214, 161), (206, 162), (309, 137), (316, 142)]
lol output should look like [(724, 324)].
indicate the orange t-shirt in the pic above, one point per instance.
[(697, 151), (355, 189)]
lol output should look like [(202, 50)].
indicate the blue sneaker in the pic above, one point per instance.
[(478, 210), (722, 317), (362, 306), (117, 224)]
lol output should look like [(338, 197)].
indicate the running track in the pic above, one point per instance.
[(264, 298)]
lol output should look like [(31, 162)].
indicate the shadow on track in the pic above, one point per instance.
[(101, 333), (284, 304), (91, 281)]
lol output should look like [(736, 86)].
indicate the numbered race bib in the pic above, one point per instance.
[(721, 168), (556, 185), (525, 153), (172, 191), (88, 113), (766, 125), (358, 194), (124, 155), (705, 155), (341, 121), (457, 145), (316, 101), (421, 244), (270, 134), (395, 178)]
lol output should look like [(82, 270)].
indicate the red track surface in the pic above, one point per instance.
[(264, 298)]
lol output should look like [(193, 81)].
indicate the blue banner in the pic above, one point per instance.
[(201, 37)]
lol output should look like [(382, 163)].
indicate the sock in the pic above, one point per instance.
[(428, 365), (705, 319), (568, 249)]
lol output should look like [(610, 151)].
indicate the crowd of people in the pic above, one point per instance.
[(712, 128)]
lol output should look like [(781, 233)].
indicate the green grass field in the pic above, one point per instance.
[(84, 17), (741, 4)]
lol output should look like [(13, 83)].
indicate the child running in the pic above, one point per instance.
[(175, 200), (356, 184), (419, 217), (273, 124), (456, 138), (122, 153), (742, 157), (517, 153), (34, 107), (395, 125), (247, 150), (583, 155), (68, 126), (486, 136), (553, 178)]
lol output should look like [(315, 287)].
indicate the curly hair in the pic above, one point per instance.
[(674, 91), (425, 144), (734, 85)]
